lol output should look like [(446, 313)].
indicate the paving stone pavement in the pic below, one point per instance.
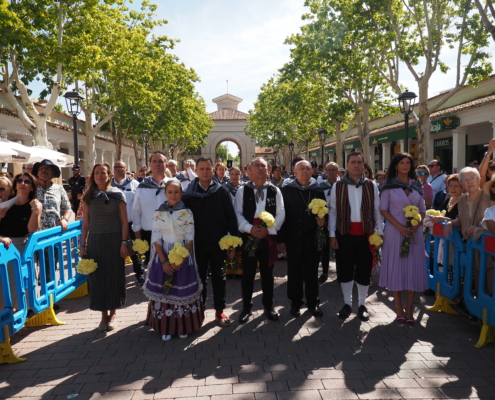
[(303, 358)]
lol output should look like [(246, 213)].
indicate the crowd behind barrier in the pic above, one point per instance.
[(45, 273)]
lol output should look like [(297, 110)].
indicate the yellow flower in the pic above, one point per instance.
[(414, 222), (140, 246), (267, 218), (376, 239), (177, 254), (228, 242), (433, 213), (86, 266), (317, 203), (417, 217)]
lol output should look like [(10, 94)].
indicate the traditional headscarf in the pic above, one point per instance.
[(127, 180), (112, 192), (395, 183), (165, 207), (294, 183), (347, 179), (192, 189)]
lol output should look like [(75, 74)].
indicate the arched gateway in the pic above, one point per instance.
[(229, 125)]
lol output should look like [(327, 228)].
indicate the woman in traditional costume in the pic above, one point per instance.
[(175, 307)]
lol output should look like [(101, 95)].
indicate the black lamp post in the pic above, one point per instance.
[(73, 101), (322, 133), (291, 149), (172, 149), (275, 153), (406, 104), (146, 136)]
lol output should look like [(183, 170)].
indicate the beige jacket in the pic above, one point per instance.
[(463, 221)]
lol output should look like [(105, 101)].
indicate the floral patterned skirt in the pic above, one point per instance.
[(170, 319)]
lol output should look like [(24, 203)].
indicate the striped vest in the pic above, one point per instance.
[(344, 208)]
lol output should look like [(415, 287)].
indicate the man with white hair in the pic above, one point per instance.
[(128, 186), (180, 176)]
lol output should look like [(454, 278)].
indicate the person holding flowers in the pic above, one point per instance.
[(173, 285), (305, 218), (260, 212), (354, 216), (403, 252), (104, 240), (214, 218)]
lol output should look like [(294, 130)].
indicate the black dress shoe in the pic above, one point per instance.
[(295, 312), (429, 292), (271, 314), (140, 281), (345, 312), (363, 313), (244, 317), (316, 311), (323, 278)]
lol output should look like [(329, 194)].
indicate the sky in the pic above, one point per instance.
[(242, 41)]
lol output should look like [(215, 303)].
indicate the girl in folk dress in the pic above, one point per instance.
[(181, 310)]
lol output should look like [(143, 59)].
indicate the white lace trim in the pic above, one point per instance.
[(180, 310)]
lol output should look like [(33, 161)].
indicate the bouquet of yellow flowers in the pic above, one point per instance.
[(140, 246), (176, 256), (375, 242), (267, 221), (320, 209), (85, 266), (229, 243), (413, 218)]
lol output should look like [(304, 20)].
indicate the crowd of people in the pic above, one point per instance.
[(197, 207)]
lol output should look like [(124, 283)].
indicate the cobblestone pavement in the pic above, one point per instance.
[(303, 358)]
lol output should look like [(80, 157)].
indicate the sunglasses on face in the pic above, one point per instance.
[(421, 173), (491, 167), (2, 189), (25, 181), (432, 165)]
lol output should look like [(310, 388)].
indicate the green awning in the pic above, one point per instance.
[(356, 144)]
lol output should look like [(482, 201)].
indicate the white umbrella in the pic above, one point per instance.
[(37, 154), (9, 155)]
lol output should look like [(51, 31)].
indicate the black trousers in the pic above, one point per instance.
[(325, 257), (146, 235), (136, 265), (302, 274), (354, 259), (211, 254), (249, 273)]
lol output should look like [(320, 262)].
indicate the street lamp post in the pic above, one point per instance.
[(145, 135), (172, 149), (291, 149), (275, 153), (406, 104), (322, 133), (73, 101)]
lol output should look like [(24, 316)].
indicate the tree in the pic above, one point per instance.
[(487, 12), (46, 41)]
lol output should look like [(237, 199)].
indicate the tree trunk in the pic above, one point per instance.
[(365, 133), (424, 123), (339, 142), (138, 155), (90, 140)]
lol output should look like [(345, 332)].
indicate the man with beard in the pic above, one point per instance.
[(128, 186), (354, 216), (298, 237), (214, 217), (252, 198)]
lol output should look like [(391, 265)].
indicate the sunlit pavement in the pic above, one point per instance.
[(303, 358)]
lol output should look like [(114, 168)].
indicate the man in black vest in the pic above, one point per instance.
[(252, 198), (214, 217), (298, 238)]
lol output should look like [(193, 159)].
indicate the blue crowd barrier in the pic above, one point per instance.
[(438, 279), (10, 321), (46, 249), (483, 305)]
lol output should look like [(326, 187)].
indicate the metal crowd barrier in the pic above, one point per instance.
[(44, 274), (483, 305), (438, 280)]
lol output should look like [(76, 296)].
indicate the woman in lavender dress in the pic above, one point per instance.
[(181, 310), (409, 273)]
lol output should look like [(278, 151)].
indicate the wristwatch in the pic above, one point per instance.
[(124, 241)]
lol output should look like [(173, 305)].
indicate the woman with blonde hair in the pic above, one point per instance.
[(104, 239)]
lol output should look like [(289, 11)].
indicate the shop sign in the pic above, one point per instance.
[(443, 143), (314, 154), (445, 124), (356, 144), (330, 150)]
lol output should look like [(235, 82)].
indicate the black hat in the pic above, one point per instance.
[(56, 170), (314, 164), (76, 167)]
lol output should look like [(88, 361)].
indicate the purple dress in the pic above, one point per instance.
[(181, 311), (398, 273)]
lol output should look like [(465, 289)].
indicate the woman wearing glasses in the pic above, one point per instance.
[(422, 174), (471, 206)]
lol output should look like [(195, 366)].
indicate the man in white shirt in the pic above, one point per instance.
[(180, 176), (352, 197), (436, 178), (252, 198), (128, 186), (150, 194)]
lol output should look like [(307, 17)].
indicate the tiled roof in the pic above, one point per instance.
[(228, 113)]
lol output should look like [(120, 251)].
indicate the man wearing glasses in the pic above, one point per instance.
[(473, 163), (436, 178), (422, 174)]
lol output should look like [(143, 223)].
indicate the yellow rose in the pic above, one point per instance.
[(414, 222), (140, 246), (86, 266)]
